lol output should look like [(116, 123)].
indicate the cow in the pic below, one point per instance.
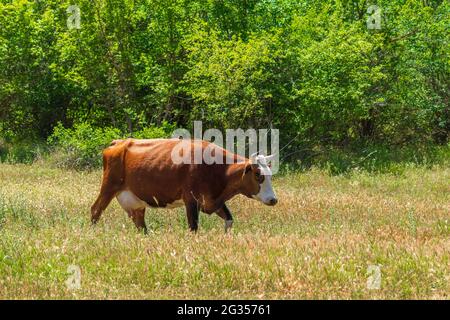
[(142, 173)]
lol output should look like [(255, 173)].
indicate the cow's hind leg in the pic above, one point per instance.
[(112, 180), (101, 203), (225, 214), (138, 217)]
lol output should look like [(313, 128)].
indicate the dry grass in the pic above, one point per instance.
[(316, 243)]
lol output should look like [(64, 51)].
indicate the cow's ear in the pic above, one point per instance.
[(249, 167)]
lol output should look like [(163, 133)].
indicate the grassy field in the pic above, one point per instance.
[(318, 242)]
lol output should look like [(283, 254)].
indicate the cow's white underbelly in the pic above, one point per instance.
[(129, 201)]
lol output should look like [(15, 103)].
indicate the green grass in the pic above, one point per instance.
[(318, 242)]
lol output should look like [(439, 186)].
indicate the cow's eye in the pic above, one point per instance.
[(259, 177)]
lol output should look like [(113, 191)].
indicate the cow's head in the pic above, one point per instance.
[(257, 180)]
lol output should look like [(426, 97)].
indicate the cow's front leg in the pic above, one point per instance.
[(192, 215), (225, 214)]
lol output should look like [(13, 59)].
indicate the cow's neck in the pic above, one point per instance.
[(235, 174)]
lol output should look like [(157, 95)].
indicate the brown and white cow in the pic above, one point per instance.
[(141, 173)]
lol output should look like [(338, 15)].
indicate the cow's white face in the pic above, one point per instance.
[(263, 175)]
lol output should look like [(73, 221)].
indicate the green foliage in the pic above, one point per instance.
[(381, 159), (311, 68), (153, 132), (21, 151), (230, 80), (80, 146), (369, 158)]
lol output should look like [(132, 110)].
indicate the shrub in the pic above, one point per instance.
[(80, 146)]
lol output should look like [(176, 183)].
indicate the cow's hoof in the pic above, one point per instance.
[(228, 225)]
